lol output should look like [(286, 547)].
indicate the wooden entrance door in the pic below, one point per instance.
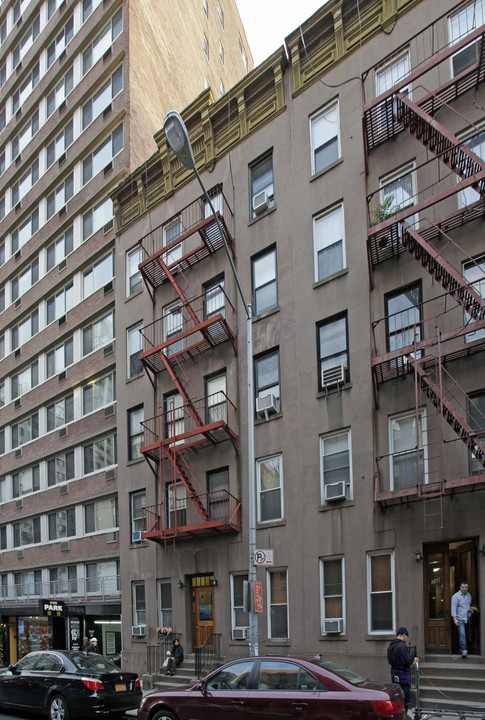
[(203, 623)]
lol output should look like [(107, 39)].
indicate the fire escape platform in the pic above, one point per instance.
[(418, 492)]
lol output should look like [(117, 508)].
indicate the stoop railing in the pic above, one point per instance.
[(208, 651), (156, 654)]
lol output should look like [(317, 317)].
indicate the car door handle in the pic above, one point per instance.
[(300, 705), (237, 702)]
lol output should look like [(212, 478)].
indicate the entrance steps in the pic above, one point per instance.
[(449, 682)]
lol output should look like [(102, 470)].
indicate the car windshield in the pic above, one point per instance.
[(94, 662), (343, 672)]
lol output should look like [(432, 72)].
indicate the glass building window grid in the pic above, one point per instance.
[(26, 481), (336, 461), (23, 381), (23, 282), (99, 393), (60, 196), (26, 134), (380, 584), (103, 97), (270, 488), (333, 590), (25, 431), (25, 330), (60, 413), (60, 92), (398, 191), (60, 469), (267, 376), (60, 249), (25, 184), (60, 303), (99, 275), (59, 359), (60, 144), (61, 41), (98, 334), (100, 216), (22, 234), (101, 515), (101, 158), (20, 95), (99, 454), (26, 532), (408, 449), (62, 524), (329, 242), (103, 42), (278, 620)]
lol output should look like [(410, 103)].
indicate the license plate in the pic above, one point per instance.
[(120, 687)]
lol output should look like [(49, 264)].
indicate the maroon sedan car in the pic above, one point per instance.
[(278, 688)]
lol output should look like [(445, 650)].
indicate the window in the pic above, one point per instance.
[(22, 48), (139, 605), (103, 155), (99, 275), (462, 24), (26, 532), (134, 283), (335, 465), (214, 299), (22, 139), (325, 137), (59, 145), (62, 524), (398, 192), (329, 243), (25, 330), (20, 96), (25, 431), (138, 501), (23, 381), (476, 419), (28, 583), (52, 6), (220, 13), (103, 97), (261, 185), (62, 40), (221, 53), (135, 430), (206, 8), (388, 75), (474, 274), (61, 195), (60, 303), (173, 323), (101, 515), (60, 92), (103, 577), (59, 359), (98, 334), (23, 282), (2, 299), (26, 182), (24, 232), (240, 616), (101, 216), (165, 603), (333, 350), (134, 343), (408, 445), (278, 604), (403, 317), (332, 583), (25, 481), (89, 6), (206, 48), (60, 469), (60, 413), (267, 376), (215, 390), (63, 580), (177, 506), (380, 583), (99, 454), (265, 283), (98, 394), (171, 231), (103, 41), (476, 144), (218, 488), (270, 488)]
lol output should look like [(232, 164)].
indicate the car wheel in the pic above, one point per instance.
[(58, 709), (164, 715)]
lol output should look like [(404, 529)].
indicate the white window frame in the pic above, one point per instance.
[(134, 344), (137, 519), (235, 609), (323, 612), (333, 216), (259, 463), (269, 573), (133, 259), (406, 416), (90, 282), (393, 177), (98, 339), (469, 18), (165, 614), (349, 482), (315, 119), (370, 555)]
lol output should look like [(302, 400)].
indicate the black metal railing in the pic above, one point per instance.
[(209, 650), (156, 654)]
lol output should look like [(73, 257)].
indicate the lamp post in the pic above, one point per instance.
[(179, 141)]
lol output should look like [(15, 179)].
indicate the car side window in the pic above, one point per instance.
[(27, 663), (280, 675), (49, 662), (232, 677)]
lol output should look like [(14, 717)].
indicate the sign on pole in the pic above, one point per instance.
[(263, 557), (258, 596)]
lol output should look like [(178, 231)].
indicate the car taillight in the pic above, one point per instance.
[(93, 684), (388, 707), (137, 683)]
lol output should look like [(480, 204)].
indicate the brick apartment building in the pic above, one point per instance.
[(348, 175), (84, 86)]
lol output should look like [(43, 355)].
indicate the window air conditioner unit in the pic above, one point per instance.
[(138, 630), (260, 202), (335, 491), (333, 626), (239, 633), (136, 536), (333, 375), (266, 404)]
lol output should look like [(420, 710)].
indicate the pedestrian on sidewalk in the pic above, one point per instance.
[(400, 658), (461, 612)]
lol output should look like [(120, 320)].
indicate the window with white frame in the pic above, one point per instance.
[(26, 182), (59, 145), (103, 42), (103, 97), (100, 216), (177, 505), (380, 588), (89, 6), (462, 23), (52, 6), (387, 76), (60, 249), (267, 376), (325, 137), (239, 612), (278, 621), (476, 419), (24, 380), (23, 47), (103, 577), (60, 196), (22, 234), (28, 582), (25, 431), (61, 524), (476, 144), (173, 323), (99, 275), (134, 283), (218, 489), (333, 352), (98, 394), (60, 303), (261, 184), (63, 580), (216, 394), (265, 281), (474, 274), (26, 532), (61, 41), (23, 282), (22, 139), (408, 449), (171, 231), (98, 334), (269, 473), (398, 191), (2, 299), (165, 603), (101, 158), (333, 598), (2, 163), (101, 515), (60, 412), (135, 432), (25, 330), (60, 358), (139, 604), (214, 298), (2, 395), (25, 481), (329, 242), (60, 92), (336, 465), (20, 95), (60, 468), (138, 501), (134, 343), (403, 317), (99, 454)]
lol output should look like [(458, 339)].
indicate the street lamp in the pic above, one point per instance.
[(178, 139)]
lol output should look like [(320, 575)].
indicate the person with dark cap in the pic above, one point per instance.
[(400, 659), (85, 642), (92, 645)]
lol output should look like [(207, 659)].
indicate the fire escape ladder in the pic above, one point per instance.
[(449, 412), (182, 472), (446, 146), (441, 270), (170, 364)]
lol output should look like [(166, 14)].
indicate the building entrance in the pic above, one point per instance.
[(203, 619), (446, 565)]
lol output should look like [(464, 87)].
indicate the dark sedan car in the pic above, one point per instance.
[(67, 684), (278, 688)]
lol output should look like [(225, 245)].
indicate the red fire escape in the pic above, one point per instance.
[(430, 338), (189, 327)]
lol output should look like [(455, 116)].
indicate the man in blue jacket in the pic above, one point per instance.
[(400, 659)]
